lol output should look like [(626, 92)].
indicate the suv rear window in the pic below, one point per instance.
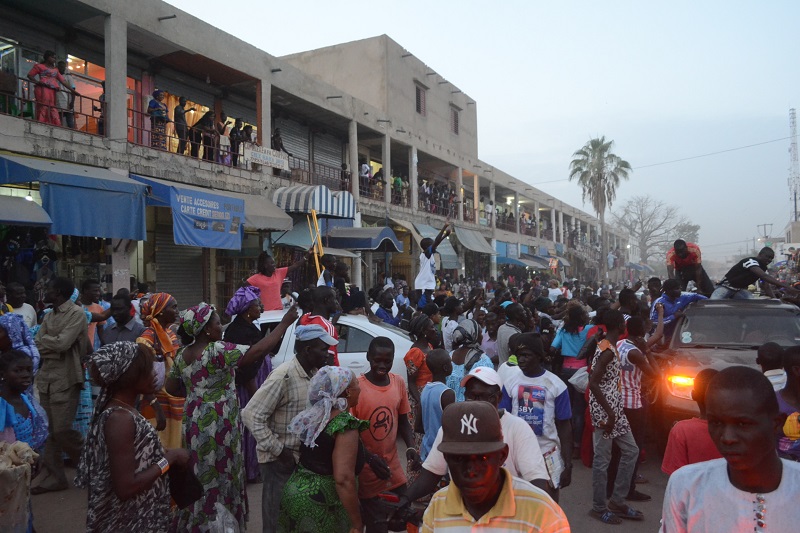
[(738, 327)]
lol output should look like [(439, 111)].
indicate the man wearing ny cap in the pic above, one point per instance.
[(481, 492), (524, 456), (267, 415)]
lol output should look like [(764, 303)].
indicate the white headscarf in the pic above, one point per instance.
[(324, 395)]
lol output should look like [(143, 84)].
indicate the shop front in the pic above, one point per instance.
[(65, 219)]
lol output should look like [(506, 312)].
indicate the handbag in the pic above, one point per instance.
[(580, 379), (184, 487)]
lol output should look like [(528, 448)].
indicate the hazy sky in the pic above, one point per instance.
[(665, 82)]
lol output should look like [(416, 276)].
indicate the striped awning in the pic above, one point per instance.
[(304, 198)]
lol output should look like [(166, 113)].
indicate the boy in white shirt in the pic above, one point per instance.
[(426, 279)]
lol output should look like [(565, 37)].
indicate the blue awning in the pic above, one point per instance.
[(445, 250), (376, 238), (81, 200), (304, 198), (536, 261), (510, 261), (200, 217), (19, 211)]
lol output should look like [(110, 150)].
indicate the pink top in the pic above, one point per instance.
[(270, 287), (49, 76)]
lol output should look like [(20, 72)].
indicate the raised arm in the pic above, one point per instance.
[(263, 347), (345, 450), (769, 279), (440, 237)]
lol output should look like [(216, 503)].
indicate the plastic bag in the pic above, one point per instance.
[(224, 521), (580, 380)]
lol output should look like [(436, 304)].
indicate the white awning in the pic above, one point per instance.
[(473, 240)]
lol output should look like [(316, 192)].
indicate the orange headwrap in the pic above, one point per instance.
[(151, 308)]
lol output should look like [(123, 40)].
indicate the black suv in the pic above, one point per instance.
[(717, 334)]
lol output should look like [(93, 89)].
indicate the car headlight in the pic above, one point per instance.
[(680, 386)]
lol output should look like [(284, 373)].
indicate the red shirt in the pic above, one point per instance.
[(688, 443), (308, 319), (693, 258)]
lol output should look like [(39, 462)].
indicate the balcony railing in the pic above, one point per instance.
[(18, 99), (313, 173)]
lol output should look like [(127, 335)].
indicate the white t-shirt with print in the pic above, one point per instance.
[(448, 328), (547, 401)]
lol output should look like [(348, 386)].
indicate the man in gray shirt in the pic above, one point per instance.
[(125, 327), (515, 322)]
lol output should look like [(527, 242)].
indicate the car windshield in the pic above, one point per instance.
[(737, 327)]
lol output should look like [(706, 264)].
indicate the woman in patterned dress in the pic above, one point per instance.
[(122, 461), (321, 494), (211, 427), (164, 410)]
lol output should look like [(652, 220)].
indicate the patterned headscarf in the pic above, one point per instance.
[(242, 299), (151, 308), (20, 336), (323, 395), (112, 361), (466, 334), (194, 319)]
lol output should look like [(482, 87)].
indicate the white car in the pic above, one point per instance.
[(355, 334)]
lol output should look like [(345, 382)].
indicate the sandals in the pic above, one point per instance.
[(626, 512), (607, 517)]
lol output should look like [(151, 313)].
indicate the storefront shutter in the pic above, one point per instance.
[(237, 109), (180, 88), (328, 150), (295, 137), (180, 269)]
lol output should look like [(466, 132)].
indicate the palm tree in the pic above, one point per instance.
[(599, 171)]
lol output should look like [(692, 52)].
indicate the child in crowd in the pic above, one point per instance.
[(426, 279), (541, 399), (689, 441), (770, 359), (435, 397), (384, 402), (21, 416)]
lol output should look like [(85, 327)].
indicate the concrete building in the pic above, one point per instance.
[(387, 109)]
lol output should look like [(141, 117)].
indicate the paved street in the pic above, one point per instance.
[(65, 512)]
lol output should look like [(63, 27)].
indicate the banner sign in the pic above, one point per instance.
[(206, 220), (266, 157)]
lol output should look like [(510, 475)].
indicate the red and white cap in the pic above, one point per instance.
[(485, 374)]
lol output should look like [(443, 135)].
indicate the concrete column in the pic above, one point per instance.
[(493, 258), (120, 264), (515, 210), (264, 112), (494, 219), (460, 194), (116, 58), (413, 178), (370, 278), (355, 273), (387, 168), (352, 154), (561, 227), (476, 198), (588, 234), (537, 217), (553, 221)]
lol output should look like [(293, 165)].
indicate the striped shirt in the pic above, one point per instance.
[(630, 377), (267, 415), (520, 507), (308, 319)]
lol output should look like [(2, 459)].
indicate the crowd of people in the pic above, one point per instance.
[(506, 388)]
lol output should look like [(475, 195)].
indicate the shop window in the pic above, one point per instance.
[(454, 116), (422, 92)]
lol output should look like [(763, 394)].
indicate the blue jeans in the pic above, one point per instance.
[(578, 404), (724, 293), (629, 454)]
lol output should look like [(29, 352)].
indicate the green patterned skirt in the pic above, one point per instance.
[(310, 503)]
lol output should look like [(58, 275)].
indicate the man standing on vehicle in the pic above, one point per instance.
[(747, 272), (684, 264)]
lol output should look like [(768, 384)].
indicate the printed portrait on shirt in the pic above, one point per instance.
[(530, 406)]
